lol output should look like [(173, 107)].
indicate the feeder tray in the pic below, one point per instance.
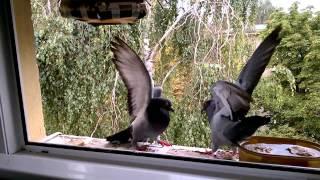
[(277, 151), (104, 12)]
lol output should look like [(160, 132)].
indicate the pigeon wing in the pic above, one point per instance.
[(239, 99), (232, 97), (252, 71), (135, 76)]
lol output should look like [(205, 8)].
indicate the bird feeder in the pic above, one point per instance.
[(104, 12)]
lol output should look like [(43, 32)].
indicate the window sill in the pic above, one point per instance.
[(29, 164), (88, 142), (25, 164)]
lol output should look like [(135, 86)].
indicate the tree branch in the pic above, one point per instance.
[(149, 59), (168, 74)]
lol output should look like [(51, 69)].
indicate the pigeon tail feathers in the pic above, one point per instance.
[(123, 136)]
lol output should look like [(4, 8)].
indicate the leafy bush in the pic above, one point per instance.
[(82, 94), (296, 87)]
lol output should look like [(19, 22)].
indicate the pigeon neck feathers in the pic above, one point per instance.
[(158, 112), (157, 91)]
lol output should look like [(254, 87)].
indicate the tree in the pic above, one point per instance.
[(76, 73), (264, 10), (297, 98), (247, 11), (82, 94)]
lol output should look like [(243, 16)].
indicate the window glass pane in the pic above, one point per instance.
[(188, 46)]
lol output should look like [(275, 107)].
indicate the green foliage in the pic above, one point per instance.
[(295, 85), (200, 66), (265, 8), (299, 39), (76, 73), (246, 10), (163, 18), (189, 129), (282, 131), (81, 93)]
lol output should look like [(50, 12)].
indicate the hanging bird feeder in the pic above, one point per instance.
[(104, 12)]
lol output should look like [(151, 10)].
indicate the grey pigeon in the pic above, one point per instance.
[(230, 103), (149, 112)]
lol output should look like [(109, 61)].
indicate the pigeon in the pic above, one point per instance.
[(230, 102), (148, 111)]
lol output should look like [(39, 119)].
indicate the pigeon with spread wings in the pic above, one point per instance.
[(229, 104), (149, 115)]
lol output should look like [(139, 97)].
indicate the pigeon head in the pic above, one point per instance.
[(209, 108), (162, 103)]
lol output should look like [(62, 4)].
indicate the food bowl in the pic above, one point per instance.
[(280, 151)]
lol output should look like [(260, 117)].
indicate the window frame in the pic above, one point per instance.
[(15, 147), (11, 117)]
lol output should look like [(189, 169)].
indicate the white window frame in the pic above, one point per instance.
[(10, 117), (19, 157)]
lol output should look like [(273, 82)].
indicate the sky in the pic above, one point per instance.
[(285, 4)]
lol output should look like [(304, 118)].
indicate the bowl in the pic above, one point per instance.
[(293, 160)]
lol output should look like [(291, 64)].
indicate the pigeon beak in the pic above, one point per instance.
[(205, 106), (170, 109)]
